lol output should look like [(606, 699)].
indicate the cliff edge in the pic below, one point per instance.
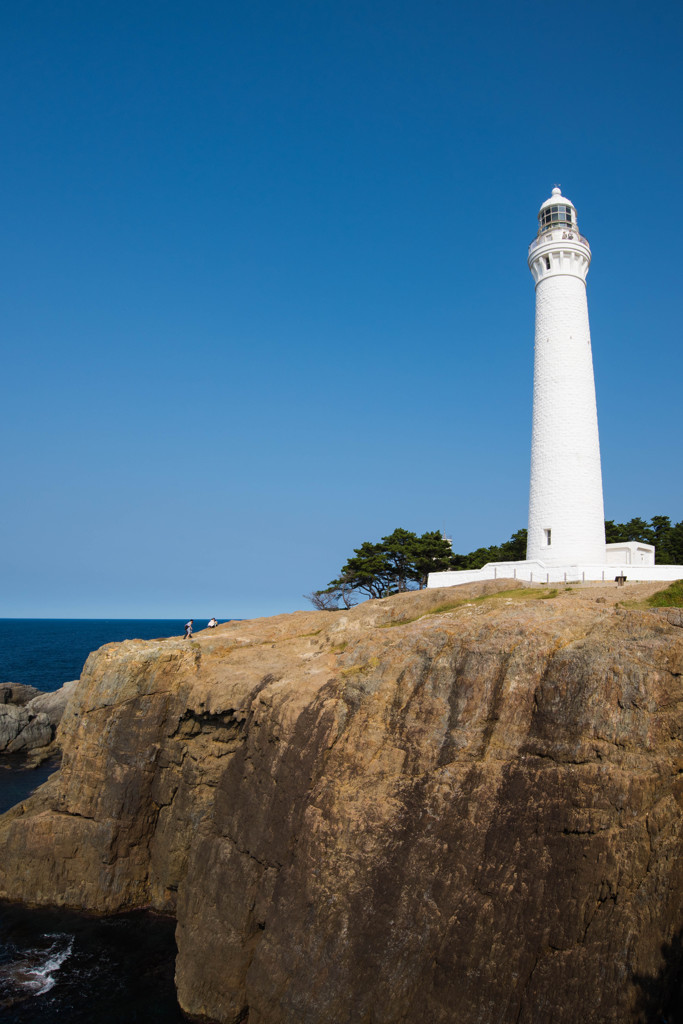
[(457, 805)]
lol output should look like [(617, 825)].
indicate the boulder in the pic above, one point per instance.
[(12, 720), (17, 693), (29, 717), (38, 731), (52, 703)]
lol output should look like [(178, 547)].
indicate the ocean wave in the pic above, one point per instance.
[(33, 971)]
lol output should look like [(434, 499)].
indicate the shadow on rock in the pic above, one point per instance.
[(660, 1000)]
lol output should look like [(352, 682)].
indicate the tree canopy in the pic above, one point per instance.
[(398, 562), (513, 550)]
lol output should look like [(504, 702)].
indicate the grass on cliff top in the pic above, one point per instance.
[(523, 593), (672, 597)]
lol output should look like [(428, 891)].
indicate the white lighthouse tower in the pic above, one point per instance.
[(566, 535), (566, 514)]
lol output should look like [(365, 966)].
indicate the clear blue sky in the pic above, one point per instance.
[(265, 286)]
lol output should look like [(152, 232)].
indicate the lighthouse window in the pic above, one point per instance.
[(547, 263), (547, 536), (553, 216)]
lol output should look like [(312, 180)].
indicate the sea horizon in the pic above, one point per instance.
[(48, 652), (105, 618)]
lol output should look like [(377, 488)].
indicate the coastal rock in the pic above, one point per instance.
[(448, 806), (12, 721), (35, 731), (29, 717), (52, 703), (17, 693)]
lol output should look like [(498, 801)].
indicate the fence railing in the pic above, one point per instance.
[(568, 236)]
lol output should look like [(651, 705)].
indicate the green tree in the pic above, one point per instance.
[(661, 538), (477, 559), (675, 544), (638, 530), (328, 600), (433, 553), (400, 550), (514, 550), (368, 571), (400, 561)]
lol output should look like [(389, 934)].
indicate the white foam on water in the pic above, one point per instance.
[(35, 971)]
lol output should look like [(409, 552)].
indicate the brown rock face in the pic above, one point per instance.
[(395, 814)]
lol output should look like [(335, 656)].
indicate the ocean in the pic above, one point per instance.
[(48, 652), (58, 967)]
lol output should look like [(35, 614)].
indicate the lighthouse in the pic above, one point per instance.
[(566, 513), (566, 534)]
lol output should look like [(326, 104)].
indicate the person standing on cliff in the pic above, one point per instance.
[(213, 623), (188, 629)]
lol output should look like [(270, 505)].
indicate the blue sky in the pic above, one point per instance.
[(265, 286)]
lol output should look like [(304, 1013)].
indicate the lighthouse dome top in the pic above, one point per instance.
[(558, 211)]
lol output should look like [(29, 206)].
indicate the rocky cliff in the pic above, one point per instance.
[(450, 806)]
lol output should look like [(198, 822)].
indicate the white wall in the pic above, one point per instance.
[(537, 572), (630, 553)]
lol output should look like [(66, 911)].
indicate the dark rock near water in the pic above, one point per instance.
[(17, 693), (29, 717), (449, 806)]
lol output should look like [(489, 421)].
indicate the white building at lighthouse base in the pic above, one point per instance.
[(634, 561)]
